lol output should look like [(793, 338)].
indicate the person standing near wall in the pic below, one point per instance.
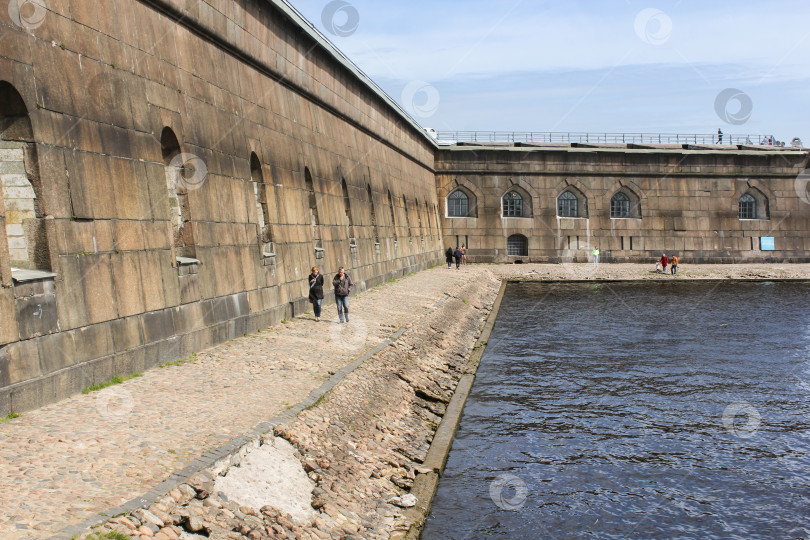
[(463, 254), (316, 292), (595, 254), (664, 262), (457, 255), (448, 255), (674, 264), (343, 286)]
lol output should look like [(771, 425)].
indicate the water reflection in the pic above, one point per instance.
[(636, 411)]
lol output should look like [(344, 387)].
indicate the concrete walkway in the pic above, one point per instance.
[(66, 462)]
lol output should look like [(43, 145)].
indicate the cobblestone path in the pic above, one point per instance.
[(65, 462)]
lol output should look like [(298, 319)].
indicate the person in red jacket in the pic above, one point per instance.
[(664, 262)]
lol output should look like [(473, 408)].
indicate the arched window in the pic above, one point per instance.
[(567, 205), (620, 205), (748, 207), (458, 204), (518, 245), (512, 204)]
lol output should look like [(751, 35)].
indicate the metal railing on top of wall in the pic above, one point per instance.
[(597, 138)]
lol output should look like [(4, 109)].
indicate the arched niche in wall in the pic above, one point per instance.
[(25, 228), (373, 210), (393, 217), (347, 209), (407, 218), (315, 219), (264, 229), (177, 188)]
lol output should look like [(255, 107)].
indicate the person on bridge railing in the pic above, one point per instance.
[(719, 136)]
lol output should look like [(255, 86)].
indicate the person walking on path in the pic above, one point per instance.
[(463, 254), (448, 255), (343, 286), (457, 255), (316, 292), (674, 264), (664, 262), (719, 136), (595, 254)]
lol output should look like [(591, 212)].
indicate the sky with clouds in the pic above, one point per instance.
[(583, 65)]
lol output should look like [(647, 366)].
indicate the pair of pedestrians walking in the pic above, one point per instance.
[(343, 285), (664, 261)]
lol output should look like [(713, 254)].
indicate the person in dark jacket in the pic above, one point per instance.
[(457, 254), (316, 292), (448, 255), (343, 286)]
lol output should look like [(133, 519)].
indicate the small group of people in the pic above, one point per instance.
[(459, 254), (343, 285), (664, 261)]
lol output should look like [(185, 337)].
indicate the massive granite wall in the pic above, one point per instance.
[(683, 200), (171, 170)]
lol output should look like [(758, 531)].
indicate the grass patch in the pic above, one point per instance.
[(112, 535), (181, 361), (10, 416), (112, 382)]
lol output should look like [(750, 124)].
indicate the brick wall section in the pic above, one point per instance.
[(18, 196)]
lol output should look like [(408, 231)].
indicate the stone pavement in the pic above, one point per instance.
[(66, 462)]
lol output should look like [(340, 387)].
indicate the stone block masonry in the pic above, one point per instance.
[(159, 164)]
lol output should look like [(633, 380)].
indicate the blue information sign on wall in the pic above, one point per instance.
[(766, 243)]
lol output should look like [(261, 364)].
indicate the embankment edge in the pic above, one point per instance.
[(425, 485)]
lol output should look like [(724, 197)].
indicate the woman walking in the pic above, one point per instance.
[(316, 292), (664, 262), (448, 255), (343, 286)]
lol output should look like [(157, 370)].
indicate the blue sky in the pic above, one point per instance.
[(577, 65)]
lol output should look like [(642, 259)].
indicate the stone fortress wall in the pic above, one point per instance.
[(171, 170), (682, 200)]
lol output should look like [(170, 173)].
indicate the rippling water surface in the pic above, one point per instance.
[(665, 410)]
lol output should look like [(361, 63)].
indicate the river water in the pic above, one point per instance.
[(660, 410)]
